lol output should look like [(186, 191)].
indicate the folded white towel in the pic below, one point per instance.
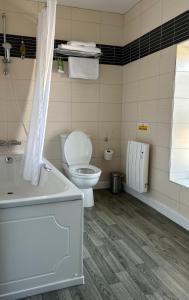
[(84, 68), (77, 43), (88, 50)]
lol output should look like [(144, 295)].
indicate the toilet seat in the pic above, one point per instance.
[(84, 170), (77, 148)]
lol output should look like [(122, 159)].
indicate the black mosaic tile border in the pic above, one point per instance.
[(15, 41), (166, 35), (111, 54)]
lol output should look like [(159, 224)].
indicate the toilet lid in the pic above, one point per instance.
[(77, 148)]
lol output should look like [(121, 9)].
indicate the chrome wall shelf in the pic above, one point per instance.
[(77, 53)]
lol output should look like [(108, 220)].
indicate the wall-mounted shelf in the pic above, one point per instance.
[(68, 50)]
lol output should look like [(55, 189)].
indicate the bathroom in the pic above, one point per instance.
[(135, 245)]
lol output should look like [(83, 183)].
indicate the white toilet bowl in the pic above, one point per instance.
[(77, 151)]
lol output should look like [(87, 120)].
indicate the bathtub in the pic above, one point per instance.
[(41, 231)]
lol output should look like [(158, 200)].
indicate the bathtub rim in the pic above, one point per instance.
[(70, 194)]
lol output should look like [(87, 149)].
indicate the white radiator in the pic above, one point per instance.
[(137, 166)]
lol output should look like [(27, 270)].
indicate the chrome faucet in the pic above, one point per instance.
[(48, 169), (5, 143), (9, 159)]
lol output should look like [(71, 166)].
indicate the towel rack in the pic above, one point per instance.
[(70, 51)]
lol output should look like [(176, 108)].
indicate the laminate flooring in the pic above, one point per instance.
[(130, 252)]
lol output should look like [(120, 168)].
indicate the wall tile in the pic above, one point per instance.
[(86, 15), (59, 111), (110, 93), (129, 131), (168, 59), (170, 9), (165, 200), (132, 30), (160, 183), (131, 72), (131, 92), (22, 7), (149, 136), (85, 92), (110, 75), (85, 31), (149, 88), (85, 112), (16, 131), (54, 129), (60, 91), (166, 85), (111, 18), (22, 69), (147, 111), (63, 29), (90, 128), (130, 111), (52, 150), (21, 24), (109, 130), (149, 65), (151, 18), (160, 157), (110, 112), (22, 89), (184, 210), (63, 12), (111, 35)]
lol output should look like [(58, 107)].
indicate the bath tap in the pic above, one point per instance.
[(4, 143), (13, 143), (48, 169), (9, 159)]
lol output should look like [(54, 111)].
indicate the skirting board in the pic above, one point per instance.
[(164, 210), (102, 185)]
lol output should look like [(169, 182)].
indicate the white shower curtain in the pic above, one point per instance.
[(44, 58)]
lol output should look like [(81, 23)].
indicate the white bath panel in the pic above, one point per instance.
[(40, 248)]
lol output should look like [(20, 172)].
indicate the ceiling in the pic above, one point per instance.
[(116, 6)]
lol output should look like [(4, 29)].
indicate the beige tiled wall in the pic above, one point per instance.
[(71, 23), (148, 88), (93, 106), (148, 14)]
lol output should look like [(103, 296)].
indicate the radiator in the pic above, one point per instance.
[(137, 166)]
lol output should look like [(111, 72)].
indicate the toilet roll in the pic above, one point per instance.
[(108, 154)]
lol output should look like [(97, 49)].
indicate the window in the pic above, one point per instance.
[(179, 166)]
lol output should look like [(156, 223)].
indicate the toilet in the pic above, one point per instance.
[(76, 155)]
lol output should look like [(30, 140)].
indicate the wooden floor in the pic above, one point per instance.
[(130, 252)]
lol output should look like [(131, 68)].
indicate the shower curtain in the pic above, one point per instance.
[(33, 158)]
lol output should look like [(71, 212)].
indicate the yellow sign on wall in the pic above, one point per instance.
[(143, 126)]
